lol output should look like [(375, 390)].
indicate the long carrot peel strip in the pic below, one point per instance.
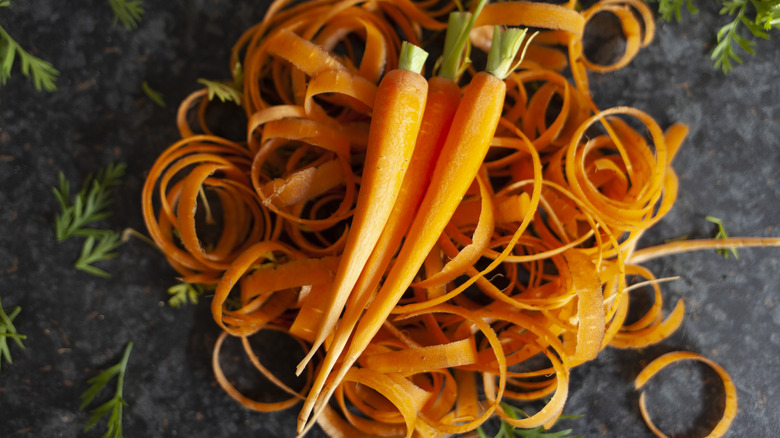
[(231, 390), (729, 410), (467, 256), (590, 305), (415, 360), (535, 15), (653, 334), (304, 184), (307, 56), (646, 254)]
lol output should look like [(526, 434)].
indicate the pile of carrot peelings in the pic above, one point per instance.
[(439, 235)]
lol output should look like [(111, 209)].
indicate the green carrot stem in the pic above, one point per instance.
[(456, 41), (412, 58), (503, 50)]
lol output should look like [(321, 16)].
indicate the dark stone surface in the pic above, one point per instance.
[(78, 324)]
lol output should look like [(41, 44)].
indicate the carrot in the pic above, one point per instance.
[(467, 143), (398, 110), (442, 101)]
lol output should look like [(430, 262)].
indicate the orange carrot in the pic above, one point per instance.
[(398, 110), (442, 100), (467, 143)]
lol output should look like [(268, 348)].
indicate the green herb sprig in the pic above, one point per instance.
[(154, 95), (91, 253), (721, 234), (8, 331), (127, 12), (113, 407), (44, 75), (183, 294), (224, 91), (90, 205), (506, 430), (756, 16)]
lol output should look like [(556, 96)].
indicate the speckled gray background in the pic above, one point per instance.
[(77, 324)]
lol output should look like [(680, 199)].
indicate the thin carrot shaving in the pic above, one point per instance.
[(450, 355), (430, 278), (231, 390), (729, 410), (652, 334), (590, 305)]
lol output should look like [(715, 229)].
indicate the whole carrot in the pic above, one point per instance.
[(398, 110), (442, 101), (467, 143)]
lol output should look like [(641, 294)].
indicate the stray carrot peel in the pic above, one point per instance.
[(729, 410)]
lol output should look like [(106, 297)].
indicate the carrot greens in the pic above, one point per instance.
[(98, 248), (506, 430), (44, 75), (455, 53), (127, 12), (755, 16), (184, 293), (224, 91), (153, 94), (672, 9), (506, 45), (721, 234), (91, 204), (8, 331), (767, 17), (113, 407)]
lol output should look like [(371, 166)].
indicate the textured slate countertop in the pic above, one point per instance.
[(77, 324)]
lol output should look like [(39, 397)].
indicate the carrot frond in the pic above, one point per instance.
[(722, 235)]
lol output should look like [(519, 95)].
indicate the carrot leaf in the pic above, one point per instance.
[(765, 16), (506, 430), (91, 253), (127, 12), (224, 91), (90, 204), (183, 294), (721, 234), (8, 331), (44, 75), (152, 94), (412, 58), (112, 407), (673, 8)]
